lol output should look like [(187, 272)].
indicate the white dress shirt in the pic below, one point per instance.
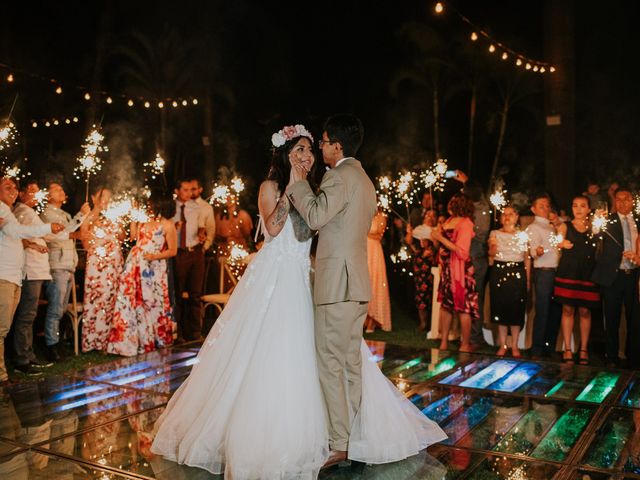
[(206, 221), (192, 215), (11, 251), (540, 235), (629, 244), (36, 264)]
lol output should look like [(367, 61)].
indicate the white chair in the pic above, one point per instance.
[(219, 300)]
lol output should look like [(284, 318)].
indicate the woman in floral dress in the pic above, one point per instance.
[(143, 320), (102, 239), (457, 288)]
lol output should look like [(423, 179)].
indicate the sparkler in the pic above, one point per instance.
[(8, 135), (599, 223), (555, 239), (42, 197), (383, 193), (498, 200), (434, 177), (89, 162), (522, 240), (404, 189), (224, 193), (156, 166)]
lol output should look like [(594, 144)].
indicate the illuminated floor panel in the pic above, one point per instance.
[(505, 418)]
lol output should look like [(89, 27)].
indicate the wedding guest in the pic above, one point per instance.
[(456, 292), (423, 257), (417, 213), (617, 275), (102, 238), (207, 221), (509, 280), (12, 259), (379, 310), (544, 251), (233, 225), (142, 319), (573, 286), (63, 260), (597, 198), (189, 263)]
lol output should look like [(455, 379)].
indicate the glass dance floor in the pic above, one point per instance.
[(505, 418)]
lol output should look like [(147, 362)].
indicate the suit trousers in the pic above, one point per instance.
[(338, 331), (189, 277), (623, 291), (9, 299)]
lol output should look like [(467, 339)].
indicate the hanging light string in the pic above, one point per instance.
[(54, 121), (505, 52), (108, 98)]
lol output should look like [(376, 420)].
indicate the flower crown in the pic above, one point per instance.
[(289, 132)]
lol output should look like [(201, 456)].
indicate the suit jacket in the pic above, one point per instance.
[(342, 212), (608, 262)]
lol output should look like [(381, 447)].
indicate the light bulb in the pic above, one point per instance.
[(474, 36), (147, 104), (109, 100), (87, 96), (10, 78), (505, 55), (130, 103), (34, 124), (160, 105), (518, 62), (439, 8), (492, 48)]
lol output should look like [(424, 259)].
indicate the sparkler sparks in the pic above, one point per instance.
[(42, 197), (555, 239), (599, 223), (498, 199), (384, 192), (223, 193), (8, 135), (522, 240), (89, 163), (434, 177), (156, 166)]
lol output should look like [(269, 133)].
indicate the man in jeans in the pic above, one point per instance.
[(12, 259), (63, 260)]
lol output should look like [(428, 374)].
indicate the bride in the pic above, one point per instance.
[(252, 407)]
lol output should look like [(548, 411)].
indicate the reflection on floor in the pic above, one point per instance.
[(505, 418)]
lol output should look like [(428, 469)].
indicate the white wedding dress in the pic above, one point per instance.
[(252, 407)]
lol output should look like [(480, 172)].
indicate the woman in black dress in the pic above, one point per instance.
[(573, 286), (509, 280)]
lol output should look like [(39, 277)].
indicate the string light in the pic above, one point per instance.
[(160, 105), (48, 122), (534, 65), (109, 98)]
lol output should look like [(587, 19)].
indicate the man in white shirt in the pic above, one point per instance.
[(544, 251), (12, 259), (206, 222), (63, 260), (189, 263)]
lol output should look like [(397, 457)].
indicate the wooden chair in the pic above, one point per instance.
[(74, 310), (219, 300)]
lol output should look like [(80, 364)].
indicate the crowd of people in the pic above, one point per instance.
[(151, 297), (570, 265), (131, 303)]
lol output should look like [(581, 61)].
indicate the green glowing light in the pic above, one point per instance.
[(599, 387)]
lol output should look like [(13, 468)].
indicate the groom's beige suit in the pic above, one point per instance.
[(342, 212)]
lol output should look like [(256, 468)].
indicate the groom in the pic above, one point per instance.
[(341, 211)]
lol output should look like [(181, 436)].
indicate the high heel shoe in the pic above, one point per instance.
[(567, 359), (583, 357), (502, 351)]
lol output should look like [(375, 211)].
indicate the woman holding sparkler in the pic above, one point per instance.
[(573, 287), (456, 292), (423, 258), (379, 312), (143, 320), (101, 238), (509, 279)]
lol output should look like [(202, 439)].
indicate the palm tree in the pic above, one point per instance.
[(428, 66)]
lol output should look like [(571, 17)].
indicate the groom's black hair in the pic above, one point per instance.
[(347, 130)]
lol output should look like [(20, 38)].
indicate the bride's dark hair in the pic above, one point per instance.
[(281, 167)]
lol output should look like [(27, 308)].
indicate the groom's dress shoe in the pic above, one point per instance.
[(335, 457)]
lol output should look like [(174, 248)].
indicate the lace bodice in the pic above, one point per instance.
[(286, 243)]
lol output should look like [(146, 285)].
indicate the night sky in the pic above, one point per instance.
[(275, 63)]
